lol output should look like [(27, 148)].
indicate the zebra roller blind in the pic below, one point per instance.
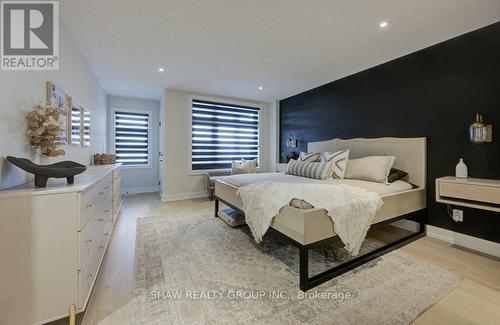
[(222, 133), (76, 124), (132, 138), (86, 127)]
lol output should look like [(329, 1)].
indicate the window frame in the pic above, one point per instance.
[(192, 172), (149, 165)]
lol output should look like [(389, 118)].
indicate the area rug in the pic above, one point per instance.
[(197, 270)]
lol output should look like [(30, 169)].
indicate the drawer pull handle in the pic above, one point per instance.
[(100, 220), (101, 247), (106, 187), (106, 211), (90, 275), (88, 240), (89, 205), (101, 193), (106, 234)]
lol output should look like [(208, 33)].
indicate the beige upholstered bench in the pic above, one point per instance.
[(212, 176)]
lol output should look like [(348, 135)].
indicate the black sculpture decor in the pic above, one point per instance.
[(61, 169)]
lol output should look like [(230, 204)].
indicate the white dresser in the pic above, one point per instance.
[(52, 243)]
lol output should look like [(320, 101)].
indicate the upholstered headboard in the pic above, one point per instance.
[(410, 153)]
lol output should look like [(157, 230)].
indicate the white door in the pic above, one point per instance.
[(134, 129)]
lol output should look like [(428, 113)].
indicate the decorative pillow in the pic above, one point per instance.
[(338, 163), (317, 170), (253, 164), (300, 204), (371, 168), (242, 167), (232, 217), (309, 156), (396, 175)]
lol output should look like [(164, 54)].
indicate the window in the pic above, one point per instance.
[(222, 133), (76, 124), (86, 127), (132, 138)]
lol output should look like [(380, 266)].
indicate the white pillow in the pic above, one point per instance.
[(253, 164), (309, 156), (371, 168), (338, 163), (243, 166)]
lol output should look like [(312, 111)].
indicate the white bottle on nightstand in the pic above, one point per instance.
[(461, 170)]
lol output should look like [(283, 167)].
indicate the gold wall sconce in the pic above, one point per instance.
[(479, 132)]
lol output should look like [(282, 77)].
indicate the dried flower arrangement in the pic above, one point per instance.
[(44, 128)]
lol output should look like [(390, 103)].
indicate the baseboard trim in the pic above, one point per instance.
[(163, 198), (456, 238), (138, 190), (183, 196), (441, 234)]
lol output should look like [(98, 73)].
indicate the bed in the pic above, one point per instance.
[(307, 228)]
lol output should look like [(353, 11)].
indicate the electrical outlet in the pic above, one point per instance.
[(458, 215)]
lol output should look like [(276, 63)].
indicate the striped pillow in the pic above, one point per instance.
[(317, 170), (309, 156)]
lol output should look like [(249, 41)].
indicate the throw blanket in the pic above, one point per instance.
[(351, 209)]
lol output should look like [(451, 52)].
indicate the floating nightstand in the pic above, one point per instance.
[(475, 193)]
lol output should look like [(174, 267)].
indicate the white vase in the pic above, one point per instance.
[(461, 170)]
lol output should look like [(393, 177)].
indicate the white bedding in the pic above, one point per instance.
[(351, 209), (380, 188)]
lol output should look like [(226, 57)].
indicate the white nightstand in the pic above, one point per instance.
[(281, 167), (469, 192)]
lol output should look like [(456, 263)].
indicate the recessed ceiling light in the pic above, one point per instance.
[(160, 69), (261, 88), (384, 24)]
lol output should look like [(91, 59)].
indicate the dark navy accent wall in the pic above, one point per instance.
[(434, 93)]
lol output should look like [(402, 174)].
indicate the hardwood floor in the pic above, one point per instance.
[(475, 301)]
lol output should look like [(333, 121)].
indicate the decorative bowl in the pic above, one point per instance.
[(62, 169)]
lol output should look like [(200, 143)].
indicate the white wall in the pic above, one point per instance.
[(138, 179), (178, 182), (19, 90)]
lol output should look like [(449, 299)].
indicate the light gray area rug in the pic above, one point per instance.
[(197, 270)]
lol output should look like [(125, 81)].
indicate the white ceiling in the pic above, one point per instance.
[(231, 47)]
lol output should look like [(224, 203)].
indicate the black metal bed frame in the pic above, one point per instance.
[(306, 282)]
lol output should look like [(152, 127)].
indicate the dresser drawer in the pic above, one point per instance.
[(87, 238), (107, 210), (479, 193), (92, 232), (90, 268), (91, 199), (87, 206), (107, 231), (87, 276), (106, 193)]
